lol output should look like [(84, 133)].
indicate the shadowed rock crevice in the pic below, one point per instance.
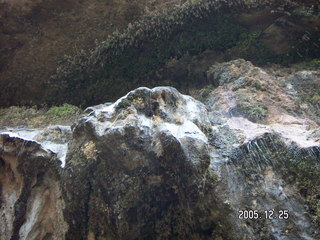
[(20, 209)]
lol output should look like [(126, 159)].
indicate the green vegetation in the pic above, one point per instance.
[(123, 104), (254, 112), (136, 66), (203, 94), (303, 171), (310, 94), (251, 48), (131, 59), (315, 99), (18, 115), (308, 65), (259, 111), (34, 117), (62, 111)]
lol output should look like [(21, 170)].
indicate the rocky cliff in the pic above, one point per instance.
[(240, 162)]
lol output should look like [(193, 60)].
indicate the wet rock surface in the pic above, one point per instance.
[(149, 156), (156, 150), (30, 194), (265, 163), (156, 164), (52, 138)]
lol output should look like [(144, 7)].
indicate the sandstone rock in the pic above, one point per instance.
[(30, 194)]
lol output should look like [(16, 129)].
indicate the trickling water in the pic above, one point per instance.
[(253, 183)]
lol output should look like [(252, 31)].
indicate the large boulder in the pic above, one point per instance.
[(138, 169)]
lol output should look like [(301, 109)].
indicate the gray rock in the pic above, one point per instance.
[(150, 162), (157, 164)]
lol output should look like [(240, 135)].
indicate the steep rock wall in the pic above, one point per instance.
[(30, 193)]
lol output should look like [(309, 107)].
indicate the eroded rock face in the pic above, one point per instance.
[(149, 158), (267, 149), (254, 101), (53, 138), (157, 159), (30, 194), (157, 164)]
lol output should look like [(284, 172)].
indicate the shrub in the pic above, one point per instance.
[(62, 111), (130, 59)]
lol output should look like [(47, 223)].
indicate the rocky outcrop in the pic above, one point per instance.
[(160, 159), (53, 138), (30, 193), (268, 140), (148, 154), (156, 164)]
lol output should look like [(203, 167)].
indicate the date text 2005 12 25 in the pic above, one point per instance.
[(271, 214)]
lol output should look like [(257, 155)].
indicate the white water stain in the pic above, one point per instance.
[(295, 133), (248, 129), (290, 132), (187, 129), (31, 135)]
